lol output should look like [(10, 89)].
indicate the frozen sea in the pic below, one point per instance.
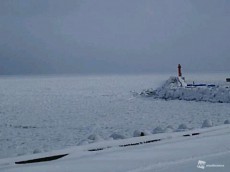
[(43, 113)]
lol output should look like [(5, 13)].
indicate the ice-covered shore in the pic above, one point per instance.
[(42, 114), (172, 90)]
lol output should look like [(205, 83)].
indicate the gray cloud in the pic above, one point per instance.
[(29, 8), (103, 36)]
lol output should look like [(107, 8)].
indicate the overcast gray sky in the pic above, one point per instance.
[(113, 36)]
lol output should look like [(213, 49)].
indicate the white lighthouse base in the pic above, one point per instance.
[(182, 81)]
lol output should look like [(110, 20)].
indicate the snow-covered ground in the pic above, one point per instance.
[(41, 114), (179, 151)]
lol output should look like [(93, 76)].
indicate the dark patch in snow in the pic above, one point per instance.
[(44, 159), (138, 133), (131, 144), (126, 145), (22, 126), (195, 134), (97, 149), (139, 143), (151, 141), (227, 121)]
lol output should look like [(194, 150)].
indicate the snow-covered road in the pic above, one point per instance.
[(179, 151)]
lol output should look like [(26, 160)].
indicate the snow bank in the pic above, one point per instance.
[(172, 90), (171, 152)]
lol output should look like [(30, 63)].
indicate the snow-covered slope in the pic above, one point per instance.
[(173, 89), (178, 151)]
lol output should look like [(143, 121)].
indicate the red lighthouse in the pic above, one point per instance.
[(179, 70)]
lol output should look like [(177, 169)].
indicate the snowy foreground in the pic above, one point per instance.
[(178, 151), (173, 89), (42, 114)]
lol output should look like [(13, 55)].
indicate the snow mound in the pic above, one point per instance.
[(182, 127), (117, 136), (138, 133), (36, 151), (93, 138), (207, 123), (83, 142), (158, 130), (169, 129), (172, 90)]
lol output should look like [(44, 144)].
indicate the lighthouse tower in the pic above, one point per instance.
[(180, 78), (179, 71)]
